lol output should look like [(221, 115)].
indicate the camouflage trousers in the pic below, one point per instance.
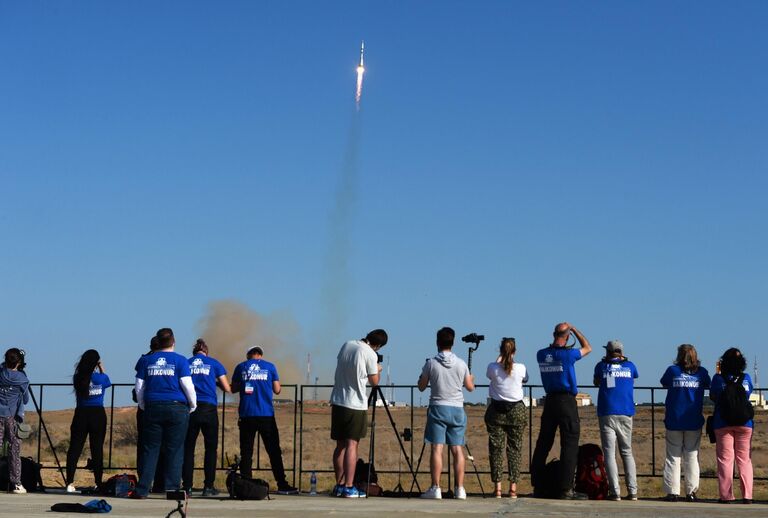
[(505, 435)]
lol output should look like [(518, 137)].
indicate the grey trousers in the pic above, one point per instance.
[(613, 429), (682, 444)]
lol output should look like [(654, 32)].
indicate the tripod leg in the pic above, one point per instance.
[(418, 465), (399, 439), (477, 473)]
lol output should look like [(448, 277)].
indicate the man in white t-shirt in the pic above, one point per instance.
[(356, 364)]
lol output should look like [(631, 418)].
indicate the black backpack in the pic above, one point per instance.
[(30, 475), (733, 403), (548, 480)]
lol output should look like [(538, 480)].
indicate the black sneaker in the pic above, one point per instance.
[(613, 497), (210, 491), (287, 490), (572, 495), (671, 498), (691, 498), (632, 496), (747, 501)]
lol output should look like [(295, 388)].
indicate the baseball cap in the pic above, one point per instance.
[(614, 346), (254, 349)]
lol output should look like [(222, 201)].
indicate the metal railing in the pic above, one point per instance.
[(297, 467)]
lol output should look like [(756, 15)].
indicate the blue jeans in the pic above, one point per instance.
[(165, 428)]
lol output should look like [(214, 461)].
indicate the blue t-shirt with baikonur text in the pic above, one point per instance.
[(685, 398), (162, 372), (255, 378), (617, 382), (717, 388), (96, 389), (205, 371), (556, 365)]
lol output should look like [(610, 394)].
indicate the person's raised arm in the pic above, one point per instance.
[(586, 348), (469, 382), (424, 378), (373, 379)]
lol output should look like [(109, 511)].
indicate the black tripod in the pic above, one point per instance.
[(376, 394)]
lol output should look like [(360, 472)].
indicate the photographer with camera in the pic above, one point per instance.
[(446, 374), (556, 364), (356, 364), (14, 394)]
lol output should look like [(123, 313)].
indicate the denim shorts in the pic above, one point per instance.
[(445, 425)]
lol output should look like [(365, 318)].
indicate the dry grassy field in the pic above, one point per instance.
[(316, 446)]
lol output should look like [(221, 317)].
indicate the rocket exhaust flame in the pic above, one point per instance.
[(360, 72)]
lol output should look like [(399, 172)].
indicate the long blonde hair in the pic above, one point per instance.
[(507, 351), (687, 359)]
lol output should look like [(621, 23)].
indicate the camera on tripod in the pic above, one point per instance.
[(473, 338)]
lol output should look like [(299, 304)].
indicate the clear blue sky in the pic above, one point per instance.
[(520, 164)]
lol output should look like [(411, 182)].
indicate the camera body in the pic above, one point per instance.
[(473, 338), (379, 358)]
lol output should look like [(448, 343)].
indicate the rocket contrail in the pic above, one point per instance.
[(360, 72)]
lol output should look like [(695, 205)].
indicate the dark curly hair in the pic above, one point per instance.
[(732, 362)]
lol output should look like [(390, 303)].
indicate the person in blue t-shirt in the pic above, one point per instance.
[(615, 376), (90, 420), (685, 382), (207, 373), (256, 380), (734, 439), (556, 364), (165, 393)]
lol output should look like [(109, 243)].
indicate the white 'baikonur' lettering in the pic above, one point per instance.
[(685, 383), (550, 368), (155, 371)]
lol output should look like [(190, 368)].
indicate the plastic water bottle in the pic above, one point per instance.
[(313, 484)]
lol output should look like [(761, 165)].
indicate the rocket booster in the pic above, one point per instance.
[(362, 49)]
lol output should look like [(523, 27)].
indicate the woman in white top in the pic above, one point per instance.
[(506, 417)]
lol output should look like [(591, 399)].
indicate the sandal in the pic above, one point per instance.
[(513, 492), (497, 494)]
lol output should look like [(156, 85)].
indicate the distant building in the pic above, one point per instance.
[(581, 400), (758, 400)]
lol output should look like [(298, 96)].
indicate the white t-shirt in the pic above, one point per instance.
[(355, 362), (506, 387)]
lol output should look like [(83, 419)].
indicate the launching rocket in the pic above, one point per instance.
[(360, 72)]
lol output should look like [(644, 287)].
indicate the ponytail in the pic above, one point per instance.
[(507, 351), (81, 380), (200, 347)]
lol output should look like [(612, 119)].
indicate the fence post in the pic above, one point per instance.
[(301, 439), (295, 410), (653, 432), (530, 427), (223, 416), (111, 426), (40, 426)]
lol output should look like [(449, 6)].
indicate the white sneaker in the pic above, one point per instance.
[(460, 493), (71, 488), (19, 490), (433, 493)]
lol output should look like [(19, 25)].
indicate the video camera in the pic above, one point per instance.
[(379, 358), (473, 338)]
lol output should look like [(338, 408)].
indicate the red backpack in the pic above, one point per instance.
[(591, 478)]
